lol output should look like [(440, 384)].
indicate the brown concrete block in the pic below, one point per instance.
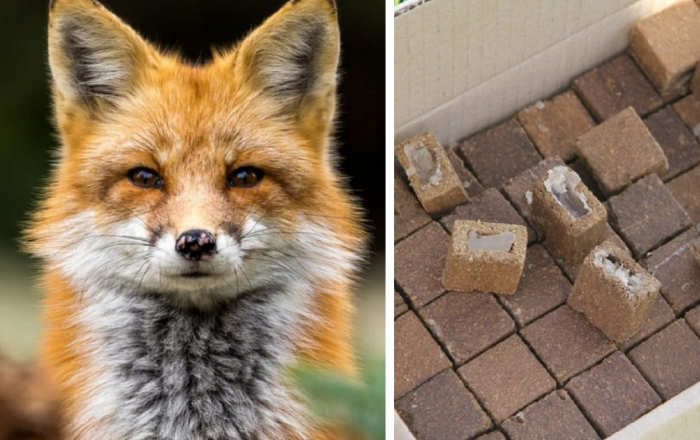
[(695, 250), (488, 257), (554, 125), (471, 185), (674, 265), (569, 216), (646, 214), (620, 151), (554, 417), (669, 360), (409, 215), (443, 409), (686, 190), (542, 288), (660, 316), (499, 153), (430, 173), (614, 86), (695, 81), (419, 262), (507, 378), (610, 236), (581, 168), (688, 110), (566, 342), (400, 306), (626, 396), (614, 292), (417, 357), (467, 323), (693, 319), (666, 46), (495, 435), (521, 189), (489, 207), (679, 144)]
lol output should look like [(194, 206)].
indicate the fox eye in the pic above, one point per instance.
[(145, 178), (245, 177)]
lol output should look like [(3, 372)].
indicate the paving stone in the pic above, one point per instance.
[(621, 150), (507, 378), (554, 125), (443, 409), (419, 262), (467, 323), (409, 215), (556, 417), (660, 316), (686, 190), (499, 154), (417, 357), (674, 265), (693, 319), (473, 187), (542, 288), (587, 178), (669, 360), (567, 342), (400, 306), (679, 144), (613, 394), (495, 435), (614, 86), (688, 109), (646, 214)]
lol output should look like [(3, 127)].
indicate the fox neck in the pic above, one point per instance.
[(162, 372)]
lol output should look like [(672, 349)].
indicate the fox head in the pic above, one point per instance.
[(195, 182)]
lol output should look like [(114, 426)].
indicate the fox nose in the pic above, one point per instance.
[(196, 245)]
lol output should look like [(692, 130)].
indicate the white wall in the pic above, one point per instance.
[(464, 65)]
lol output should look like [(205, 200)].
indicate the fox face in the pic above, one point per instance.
[(198, 183)]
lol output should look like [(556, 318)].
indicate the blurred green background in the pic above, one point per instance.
[(194, 26)]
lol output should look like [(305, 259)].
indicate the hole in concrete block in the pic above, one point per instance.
[(423, 162), (502, 242), (615, 269), (562, 183)]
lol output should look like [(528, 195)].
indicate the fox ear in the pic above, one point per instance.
[(293, 59), (95, 58)]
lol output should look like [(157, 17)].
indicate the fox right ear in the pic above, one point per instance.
[(95, 58)]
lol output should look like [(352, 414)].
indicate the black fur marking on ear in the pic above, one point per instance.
[(302, 61), (82, 72), (306, 60)]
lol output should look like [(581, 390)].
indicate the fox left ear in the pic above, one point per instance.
[(95, 58), (293, 59)]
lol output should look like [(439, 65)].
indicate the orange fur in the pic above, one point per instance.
[(194, 124)]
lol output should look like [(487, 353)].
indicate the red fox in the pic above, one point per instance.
[(196, 238)]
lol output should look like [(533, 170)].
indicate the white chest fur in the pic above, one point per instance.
[(161, 372)]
